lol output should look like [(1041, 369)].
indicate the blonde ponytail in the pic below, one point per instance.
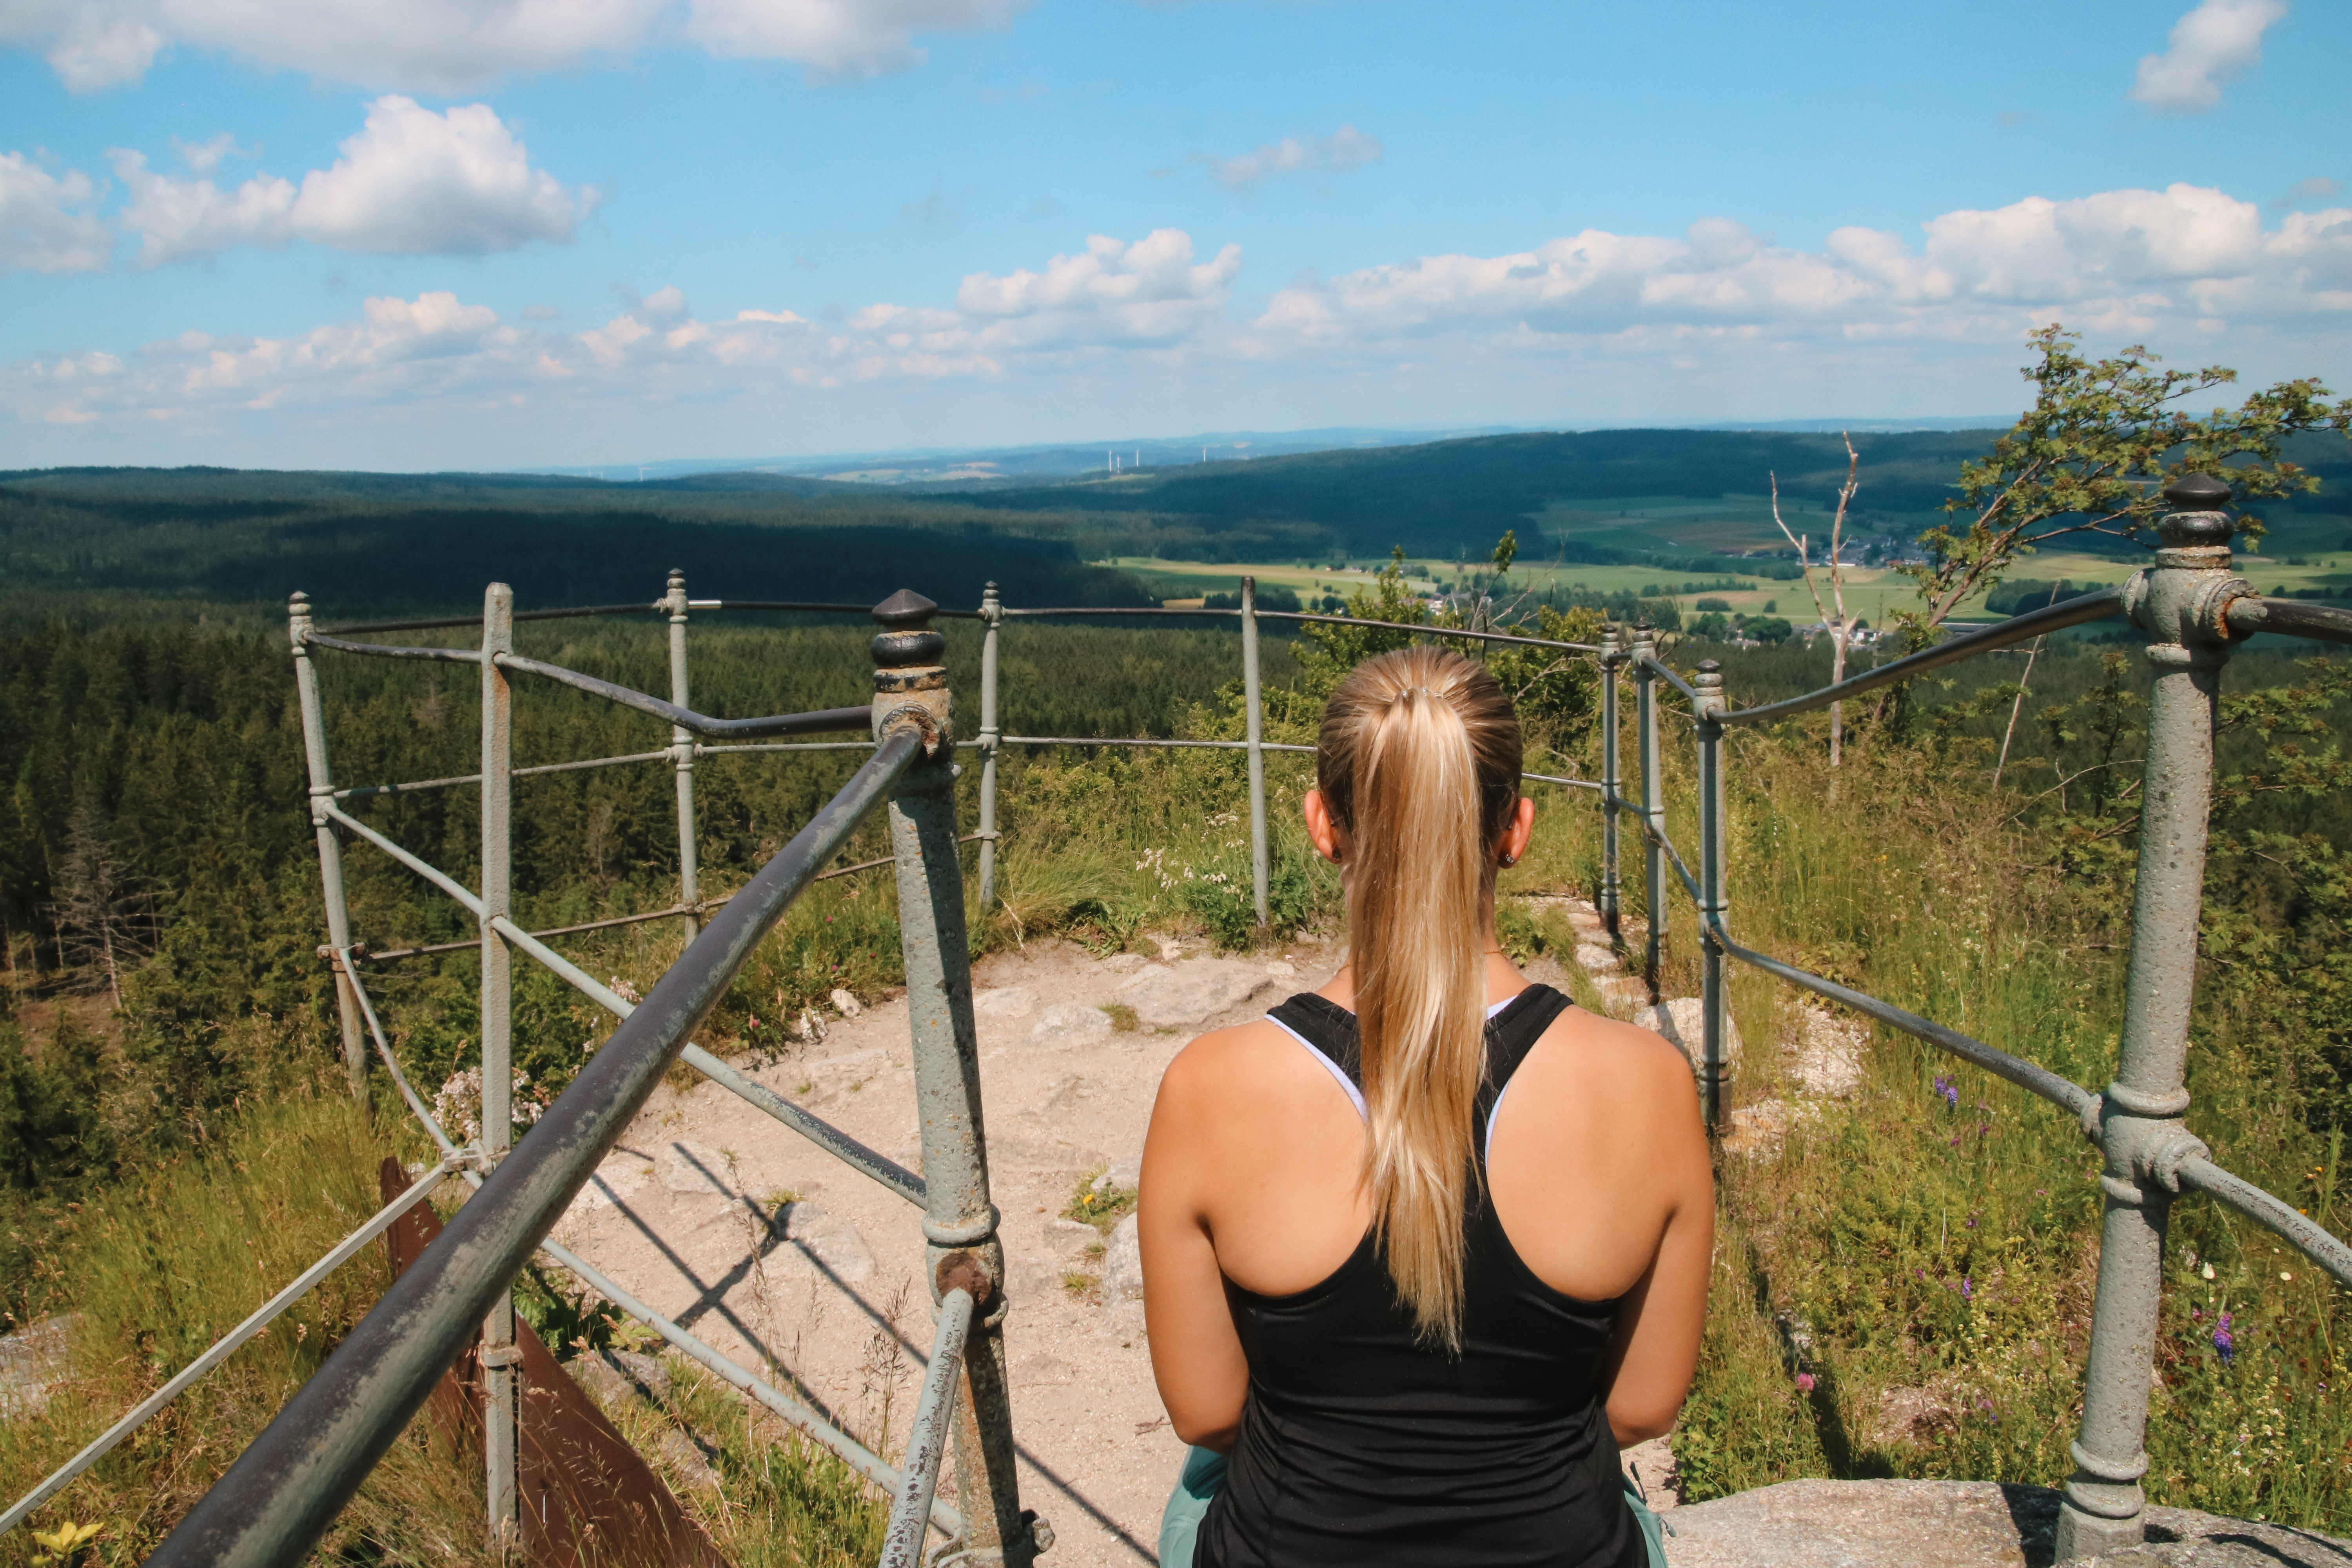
[(1418, 761)]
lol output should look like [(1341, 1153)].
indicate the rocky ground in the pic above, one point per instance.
[(785, 1259), (778, 1254)]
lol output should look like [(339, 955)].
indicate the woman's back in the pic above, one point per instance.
[(1421, 1345), (1361, 1442)]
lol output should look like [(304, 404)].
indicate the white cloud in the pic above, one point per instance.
[(2133, 261), (1346, 148), (409, 182), (1719, 305), (41, 231), (454, 45), (2210, 45), (853, 38)]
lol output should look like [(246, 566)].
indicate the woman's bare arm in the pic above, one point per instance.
[(1662, 1319), (1196, 1355)]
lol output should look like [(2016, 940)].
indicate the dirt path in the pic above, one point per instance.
[(769, 1248), (831, 1291)]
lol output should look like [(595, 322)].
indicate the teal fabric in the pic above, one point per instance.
[(1179, 1523), (1204, 1473), (1653, 1529)]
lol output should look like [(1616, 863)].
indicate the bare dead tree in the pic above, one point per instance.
[(103, 916), (1841, 631)]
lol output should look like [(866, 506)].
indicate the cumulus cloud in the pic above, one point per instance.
[(1346, 148), (44, 223), (2133, 261), (852, 39), (2180, 264), (453, 46), (2217, 42), (411, 182)]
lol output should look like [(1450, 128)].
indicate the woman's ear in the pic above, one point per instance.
[(1516, 837), (1321, 828)]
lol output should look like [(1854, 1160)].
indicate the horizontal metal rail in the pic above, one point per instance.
[(673, 912), (1659, 667), (844, 1447), (926, 1440), (822, 1134), (1657, 837), (1429, 630), (533, 772), (572, 613), (226, 1345), (2000, 634), (424, 869), (850, 1451), (1110, 740), (2290, 617), (1008, 611), (2280, 1218), (285, 1489), (1556, 779), (2062, 1092), (814, 724), (825, 1136), (392, 650), (392, 1062), (701, 751)]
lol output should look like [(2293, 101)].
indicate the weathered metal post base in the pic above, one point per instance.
[(911, 691)]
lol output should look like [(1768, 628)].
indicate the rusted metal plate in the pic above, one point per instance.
[(588, 1499)]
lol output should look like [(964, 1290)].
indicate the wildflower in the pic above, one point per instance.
[(2222, 1342), (1949, 1090), (1968, 1289), (1804, 1383), (2289, 1278), (2207, 1271)]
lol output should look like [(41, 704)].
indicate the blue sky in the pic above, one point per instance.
[(332, 233)]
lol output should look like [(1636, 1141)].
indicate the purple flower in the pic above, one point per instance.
[(1804, 1383), (1948, 1090), (2222, 1342), (1968, 1289)]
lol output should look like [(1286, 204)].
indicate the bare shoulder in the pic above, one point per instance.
[(1243, 1062), (1608, 1061)]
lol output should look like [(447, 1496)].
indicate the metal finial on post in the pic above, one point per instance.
[(2180, 602), (991, 619), (1255, 723), (682, 747), (1653, 802), (330, 846), (1610, 898), (500, 1361), (1715, 1000), (911, 691)]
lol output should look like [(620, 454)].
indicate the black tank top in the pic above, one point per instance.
[(1359, 1446)]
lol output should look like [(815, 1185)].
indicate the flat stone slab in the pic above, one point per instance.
[(1957, 1524), (1193, 991)]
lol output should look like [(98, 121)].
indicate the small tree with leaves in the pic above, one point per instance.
[(2093, 452)]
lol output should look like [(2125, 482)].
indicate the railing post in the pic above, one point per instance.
[(331, 847), (500, 1360), (910, 689), (1610, 899), (1653, 802), (1256, 732), (681, 751), (1714, 1000), (2179, 603), (991, 617)]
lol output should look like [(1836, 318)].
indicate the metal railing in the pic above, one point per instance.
[(287, 1486)]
